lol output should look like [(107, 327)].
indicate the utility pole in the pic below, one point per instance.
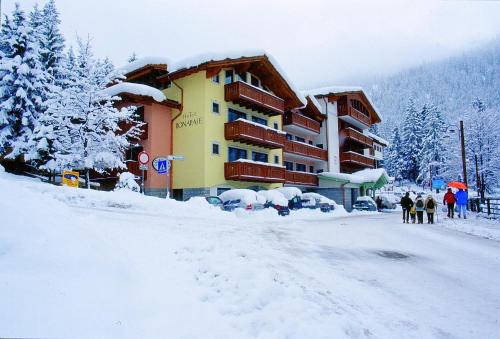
[(478, 178), (462, 141)]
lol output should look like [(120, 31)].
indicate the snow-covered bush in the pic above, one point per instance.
[(127, 182)]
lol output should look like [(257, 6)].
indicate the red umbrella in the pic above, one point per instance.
[(457, 184)]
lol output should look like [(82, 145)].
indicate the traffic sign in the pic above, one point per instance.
[(143, 158), (161, 165), (175, 157), (143, 167)]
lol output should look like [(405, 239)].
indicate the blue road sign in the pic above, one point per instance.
[(163, 166)]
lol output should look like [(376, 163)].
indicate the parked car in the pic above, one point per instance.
[(216, 201), (323, 203), (293, 195), (365, 204), (243, 198), (388, 201), (276, 200)]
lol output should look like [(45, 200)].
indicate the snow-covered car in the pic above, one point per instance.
[(293, 195), (217, 202), (365, 204), (388, 201), (323, 203), (243, 198), (276, 200)]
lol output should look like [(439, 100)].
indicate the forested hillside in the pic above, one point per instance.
[(451, 85)]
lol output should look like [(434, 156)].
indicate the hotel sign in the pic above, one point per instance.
[(189, 119)]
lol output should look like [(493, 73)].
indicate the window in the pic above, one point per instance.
[(236, 153), (229, 76), (215, 107), (310, 142), (289, 137), (133, 152), (311, 169), (216, 79), (300, 139), (277, 159), (300, 167), (215, 148), (242, 77), (276, 126), (289, 165), (257, 156), (259, 120), (235, 115), (254, 81)]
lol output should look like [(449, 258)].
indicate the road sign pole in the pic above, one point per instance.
[(142, 182), (168, 180)]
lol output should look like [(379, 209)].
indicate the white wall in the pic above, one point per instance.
[(331, 129)]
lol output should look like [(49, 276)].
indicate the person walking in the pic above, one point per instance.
[(462, 198), (420, 207), (430, 208), (406, 205), (413, 214), (449, 200)]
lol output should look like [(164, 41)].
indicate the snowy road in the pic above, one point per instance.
[(76, 265)]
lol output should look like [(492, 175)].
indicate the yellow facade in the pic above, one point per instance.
[(198, 127)]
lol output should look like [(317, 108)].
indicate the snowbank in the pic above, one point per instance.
[(136, 89), (2, 170)]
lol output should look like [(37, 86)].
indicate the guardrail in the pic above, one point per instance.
[(489, 206)]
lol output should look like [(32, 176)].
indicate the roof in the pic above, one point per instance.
[(263, 63), (344, 90), (139, 92), (144, 63), (378, 139), (375, 178)]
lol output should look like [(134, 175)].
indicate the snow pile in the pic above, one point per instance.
[(322, 199), (290, 192), (275, 197), (136, 89), (474, 225), (143, 62), (127, 181), (244, 195), (2, 170)]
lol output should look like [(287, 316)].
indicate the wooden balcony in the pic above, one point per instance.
[(249, 171), (345, 110), (356, 159), (253, 134), (358, 137), (254, 98), (292, 118), (301, 178), (305, 150)]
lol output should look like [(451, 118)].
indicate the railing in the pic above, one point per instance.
[(305, 150), (488, 206), (360, 159), (253, 97), (301, 178), (357, 136), (292, 118), (345, 110), (247, 132), (249, 171)]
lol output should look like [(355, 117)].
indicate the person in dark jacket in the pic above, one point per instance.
[(449, 200), (406, 205), (462, 198), (420, 207)]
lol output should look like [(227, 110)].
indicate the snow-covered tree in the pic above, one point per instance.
[(433, 153), (394, 161), (410, 141), (84, 124), (22, 83), (52, 42), (132, 57)]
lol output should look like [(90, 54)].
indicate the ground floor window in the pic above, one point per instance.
[(236, 153), (258, 156)]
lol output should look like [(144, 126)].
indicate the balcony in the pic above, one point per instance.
[(295, 119), (305, 150), (356, 159), (254, 98), (353, 116), (254, 134), (360, 138), (301, 178), (251, 171)]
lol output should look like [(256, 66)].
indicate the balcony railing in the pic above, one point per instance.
[(254, 98), (356, 136), (353, 158), (301, 178), (253, 134), (292, 118), (345, 110), (250, 171), (305, 150)]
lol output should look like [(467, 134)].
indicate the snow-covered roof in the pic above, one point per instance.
[(359, 178), (377, 138), (315, 102), (210, 57), (143, 62), (136, 89)]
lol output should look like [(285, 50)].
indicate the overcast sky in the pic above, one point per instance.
[(317, 42)]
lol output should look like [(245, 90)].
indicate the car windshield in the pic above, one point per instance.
[(213, 200)]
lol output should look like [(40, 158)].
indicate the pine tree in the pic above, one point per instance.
[(52, 42), (22, 83), (88, 135), (394, 156), (410, 141), (132, 57)]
